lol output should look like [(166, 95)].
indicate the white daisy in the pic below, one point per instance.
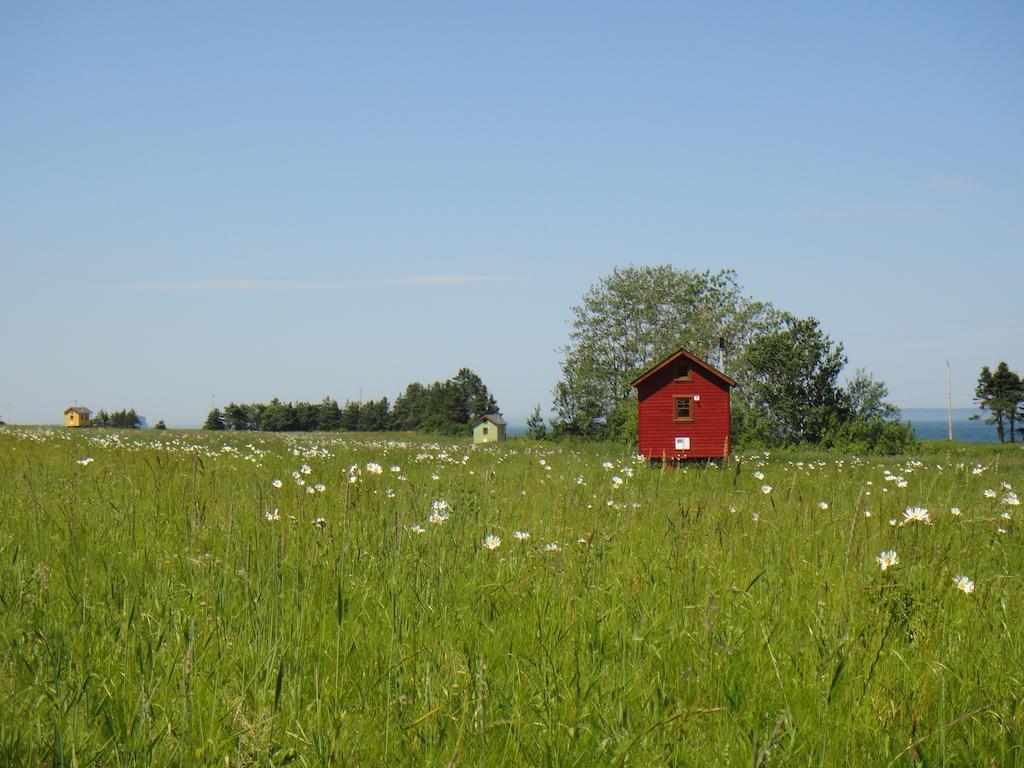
[(964, 584), (887, 559), (916, 515)]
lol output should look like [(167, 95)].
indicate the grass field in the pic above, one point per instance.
[(163, 603)]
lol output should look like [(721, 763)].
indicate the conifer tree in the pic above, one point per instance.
[(1001, 393), (215, 420), (535, 428)]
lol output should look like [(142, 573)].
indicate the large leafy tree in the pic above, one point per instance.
[(634, 317), (792, 395), (865, 397)]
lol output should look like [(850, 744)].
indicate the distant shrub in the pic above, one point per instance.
[(871, 435), (437, 424)]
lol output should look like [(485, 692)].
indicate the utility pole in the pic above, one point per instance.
[(949, 401)]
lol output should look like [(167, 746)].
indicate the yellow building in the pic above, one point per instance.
[(489, 428), (77, 416)]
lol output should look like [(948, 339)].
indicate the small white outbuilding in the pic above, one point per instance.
[(489, 428)]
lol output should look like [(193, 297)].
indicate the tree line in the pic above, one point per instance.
[(123, 419), (791, 390), (444, 407), (1001, 393)]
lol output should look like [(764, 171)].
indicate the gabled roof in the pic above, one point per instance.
[(78, 409), (681, 352), (494, 418)]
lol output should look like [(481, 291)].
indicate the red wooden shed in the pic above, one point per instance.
[(683, 405)]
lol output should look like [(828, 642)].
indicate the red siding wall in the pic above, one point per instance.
[(709, 430)]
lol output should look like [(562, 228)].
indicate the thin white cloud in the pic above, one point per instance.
[(456, 279), (221, 286), (954, 184), (862, 210), (247, 285)]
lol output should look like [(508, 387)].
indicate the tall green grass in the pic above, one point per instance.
[(151, 614)]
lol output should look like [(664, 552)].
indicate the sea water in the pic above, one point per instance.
[(930, 424)]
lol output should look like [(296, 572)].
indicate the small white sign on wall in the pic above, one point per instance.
[(682, 443)]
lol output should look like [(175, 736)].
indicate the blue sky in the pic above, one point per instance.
[(243, 200)]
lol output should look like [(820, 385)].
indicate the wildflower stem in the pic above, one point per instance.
[(942, 728), (686, 713)]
